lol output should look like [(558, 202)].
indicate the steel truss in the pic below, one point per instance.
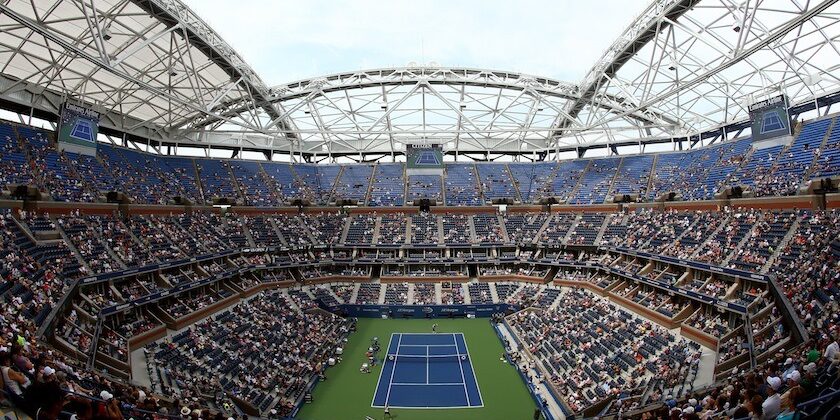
[(157, 71)]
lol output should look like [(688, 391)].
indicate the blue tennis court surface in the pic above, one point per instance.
[(771, 122), (427, 157), (427, 371), (82, 130)]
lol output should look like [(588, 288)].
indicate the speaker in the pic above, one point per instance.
[(300, 202), (25, 192), (346, 202), (181, 201), (117, 197)]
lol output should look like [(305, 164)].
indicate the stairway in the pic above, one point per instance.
[(370, 184), (471, 225), (276, 231), (571, 230), (615, 176), (545, 225), (493, 295), (709, 238), (76, 252), (409, 296), (574, 190), (689, 229), (603, 228), (794, 227), (514, 183), (501, 221), (355, 293), (377, 224), (345, 229), (741, 243), (382, 289)]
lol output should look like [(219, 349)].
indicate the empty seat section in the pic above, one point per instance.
[(388, 187), (286, 185), (828, 161), (792, 165), (181, 172), (12, 158), (216, 180), (462, 185), (424, 187), (731, 157), (566, 178), (533, 179), (495, 181), (255, 185), (756, 169), (353, 183), (596, 181), (633, 175)]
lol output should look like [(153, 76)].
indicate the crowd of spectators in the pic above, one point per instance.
[(592, 349), (451, 293), (425, 294), (264, 351), (392, 229)]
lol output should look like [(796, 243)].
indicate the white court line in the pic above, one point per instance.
[(435, 384), (429, 334), (391, 379), (427, 365), (430, 345), (381, 372), (477, 388), (461, 367)]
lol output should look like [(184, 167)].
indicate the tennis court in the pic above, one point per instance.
[(771, 122), (427, 371), (427, 157), (82, 130)]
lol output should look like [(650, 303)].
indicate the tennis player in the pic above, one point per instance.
[(434, 328)]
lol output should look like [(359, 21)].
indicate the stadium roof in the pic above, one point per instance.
[(156, 70)]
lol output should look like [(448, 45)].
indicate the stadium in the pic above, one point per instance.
[(656, 237)]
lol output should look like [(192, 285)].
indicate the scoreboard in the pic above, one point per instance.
[(424, 156), (78, 129), (770, 118)]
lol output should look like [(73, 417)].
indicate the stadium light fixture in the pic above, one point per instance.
[(812, 79), (736, 23)]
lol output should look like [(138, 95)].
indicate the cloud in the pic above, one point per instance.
[(290, 40)]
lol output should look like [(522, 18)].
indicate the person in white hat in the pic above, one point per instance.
[(789, 367), (790, 398), (47, 374), (771, 407)]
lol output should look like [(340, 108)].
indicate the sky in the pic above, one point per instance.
[(285, 41)]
